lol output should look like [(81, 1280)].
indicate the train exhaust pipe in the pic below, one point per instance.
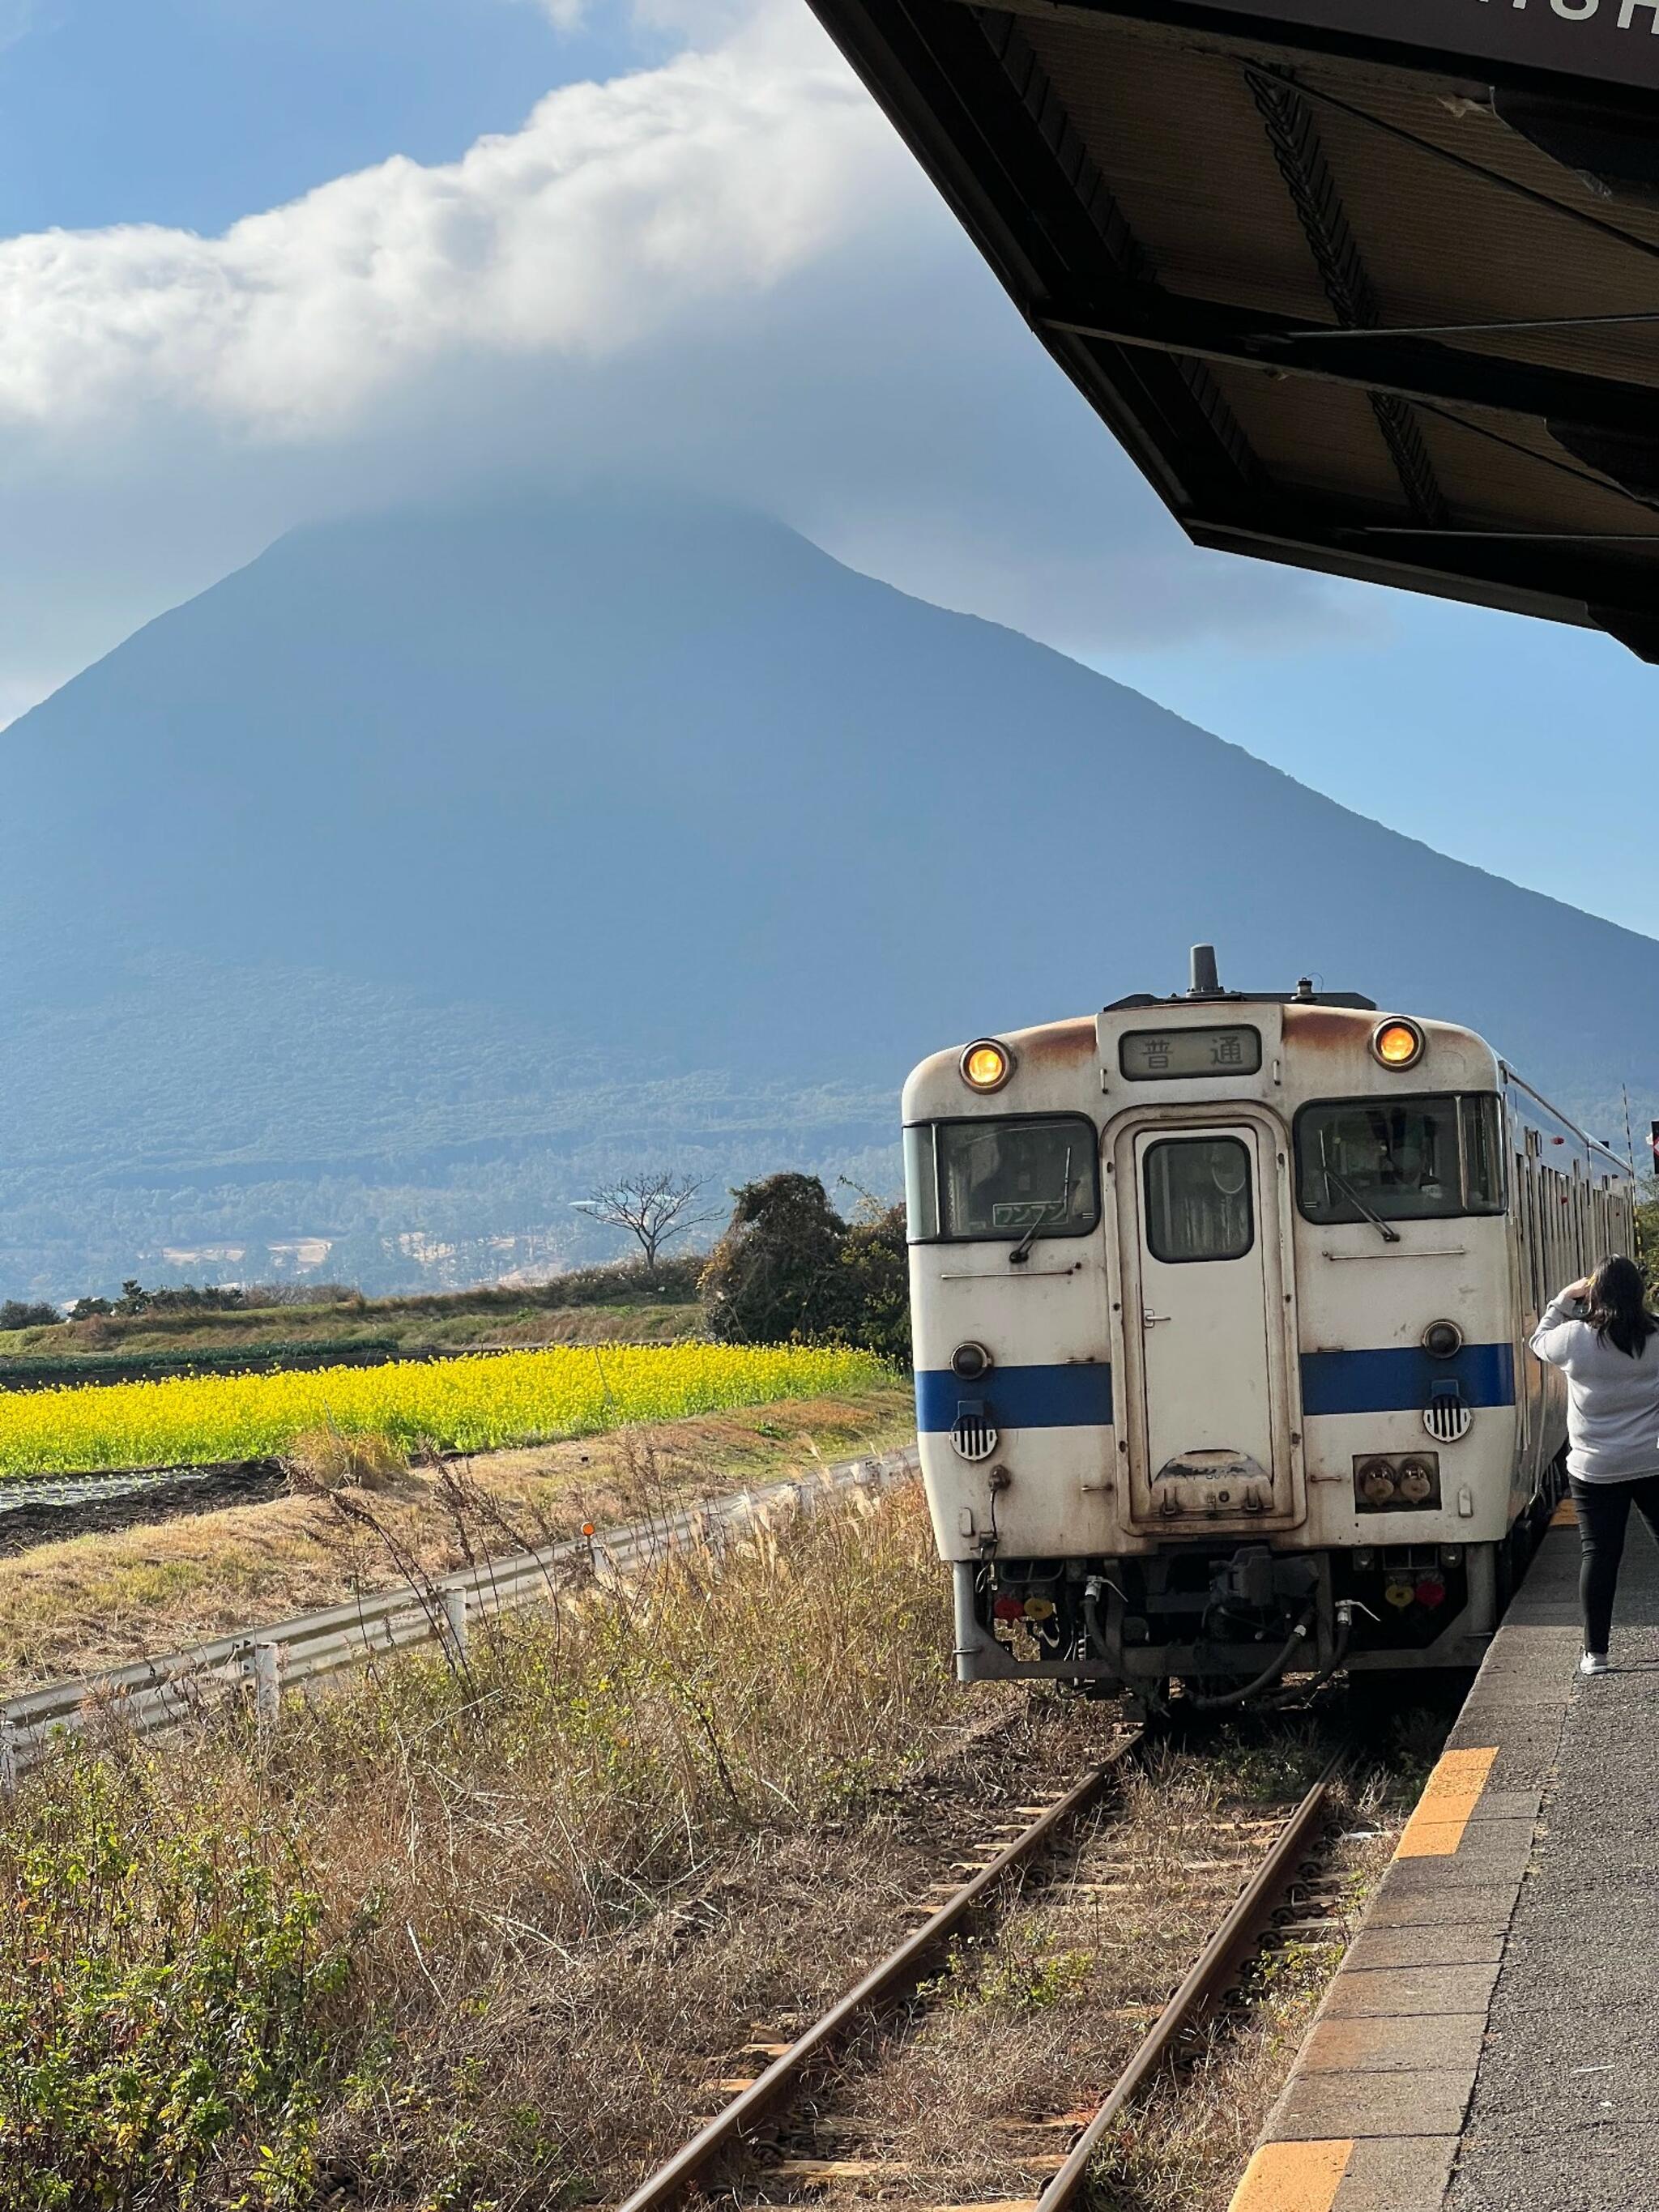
[(1207, 983)]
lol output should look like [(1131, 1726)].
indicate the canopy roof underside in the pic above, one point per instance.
[(1376, 307)]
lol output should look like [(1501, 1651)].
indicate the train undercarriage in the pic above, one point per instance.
[(1237, 1623)]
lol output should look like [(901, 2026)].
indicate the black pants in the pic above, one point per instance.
[(1603, 1509)]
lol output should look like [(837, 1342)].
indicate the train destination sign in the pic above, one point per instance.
[(1615, 40), (1150, 1055)]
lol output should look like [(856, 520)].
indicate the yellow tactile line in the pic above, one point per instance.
[(1564, 1517), (1292, 2177), (1436, 1828)]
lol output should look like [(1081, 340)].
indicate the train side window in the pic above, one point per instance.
[(1483, 1174), (920, 1183), (1540, 1236), (1010, 1177), (1198, 1199)]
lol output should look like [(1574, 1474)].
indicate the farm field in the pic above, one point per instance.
[(624, 1301), (99, 1599), (468, 1404)]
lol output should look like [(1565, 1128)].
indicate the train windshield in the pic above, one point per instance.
[(1024, 1175), (1398, 1159)]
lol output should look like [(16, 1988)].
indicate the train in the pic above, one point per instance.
[(1220, 1304)]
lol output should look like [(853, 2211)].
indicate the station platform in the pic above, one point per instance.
[(1490, 2043)]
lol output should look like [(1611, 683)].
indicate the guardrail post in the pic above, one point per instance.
[(8, 1756), (455, 1616), (266, 1657)]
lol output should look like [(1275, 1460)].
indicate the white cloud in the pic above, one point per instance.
[(725, 270), (615, 210)]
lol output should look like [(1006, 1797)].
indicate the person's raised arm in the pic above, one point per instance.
[(1552, 1338)]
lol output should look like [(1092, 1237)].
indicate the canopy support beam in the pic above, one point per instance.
[(1313, 189), (1407, 368)]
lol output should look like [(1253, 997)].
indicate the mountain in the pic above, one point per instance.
[(385, 895)]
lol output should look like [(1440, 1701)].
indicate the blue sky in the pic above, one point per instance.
[(192, 113), (706, 260)]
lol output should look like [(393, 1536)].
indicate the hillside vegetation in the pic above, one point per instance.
[(396, 891), (625, 1300)]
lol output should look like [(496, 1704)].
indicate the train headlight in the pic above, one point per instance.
[(969, 1361), (1397, 1042), (1442, 1339), (986, 1065)]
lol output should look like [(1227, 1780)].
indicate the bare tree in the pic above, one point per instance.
[(652, 1203)]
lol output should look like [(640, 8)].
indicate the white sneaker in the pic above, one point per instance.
[(1594, 1663)]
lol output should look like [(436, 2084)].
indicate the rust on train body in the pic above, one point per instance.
[(1221, 1301)]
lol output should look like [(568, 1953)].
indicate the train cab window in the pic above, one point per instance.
[(1198, 1199), (1398, 1159), (1025, 1174)]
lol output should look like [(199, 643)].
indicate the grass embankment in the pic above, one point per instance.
[(627, 1303), (474, 1937), (487, 1935), (98, 1600), (475, 1405)]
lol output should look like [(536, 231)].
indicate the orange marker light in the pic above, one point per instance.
[(1398, 1043), (986, 1065)]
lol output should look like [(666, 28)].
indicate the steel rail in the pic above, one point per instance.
[(1206, 1982), (898, 1971)]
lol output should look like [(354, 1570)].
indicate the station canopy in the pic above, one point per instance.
[(1367, 286)]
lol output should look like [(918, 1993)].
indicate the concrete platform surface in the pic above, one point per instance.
[(1491, 2042)]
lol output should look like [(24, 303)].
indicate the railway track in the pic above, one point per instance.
[(798, 2129)]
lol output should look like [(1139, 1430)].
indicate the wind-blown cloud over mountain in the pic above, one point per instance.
[(722, 272), (619, 214)]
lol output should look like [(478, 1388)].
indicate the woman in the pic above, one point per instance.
[(1598, 1332)]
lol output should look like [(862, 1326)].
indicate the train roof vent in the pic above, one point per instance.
[(1206, 982)]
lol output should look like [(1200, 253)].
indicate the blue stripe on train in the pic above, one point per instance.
[(1399, 1379), (1402, 1378), (1071, 1397)]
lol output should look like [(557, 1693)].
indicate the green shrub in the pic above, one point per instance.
[(163, 2005), (790, 1269)]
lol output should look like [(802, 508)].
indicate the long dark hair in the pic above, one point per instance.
[(1619, 1305)]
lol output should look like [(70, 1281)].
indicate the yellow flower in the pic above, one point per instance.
[(476, 1403)]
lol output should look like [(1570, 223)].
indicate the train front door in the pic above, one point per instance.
[(1204, 1325)]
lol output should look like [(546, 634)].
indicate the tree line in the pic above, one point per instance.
[(788, 1266)]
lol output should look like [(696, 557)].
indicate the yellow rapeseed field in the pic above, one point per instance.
[(462, 1404)]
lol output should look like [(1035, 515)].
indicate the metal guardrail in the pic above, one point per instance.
[(151, 1695)]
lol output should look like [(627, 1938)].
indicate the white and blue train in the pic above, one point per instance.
[(1220, 1304)]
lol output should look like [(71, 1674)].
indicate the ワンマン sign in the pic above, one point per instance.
[(1616, 41)]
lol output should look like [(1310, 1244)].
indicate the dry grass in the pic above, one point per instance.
[(1186, 2147), (1033, 2019), (495, 1925), (599, 1325), (324, 1460), (98, 1600), (509, 1916)]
